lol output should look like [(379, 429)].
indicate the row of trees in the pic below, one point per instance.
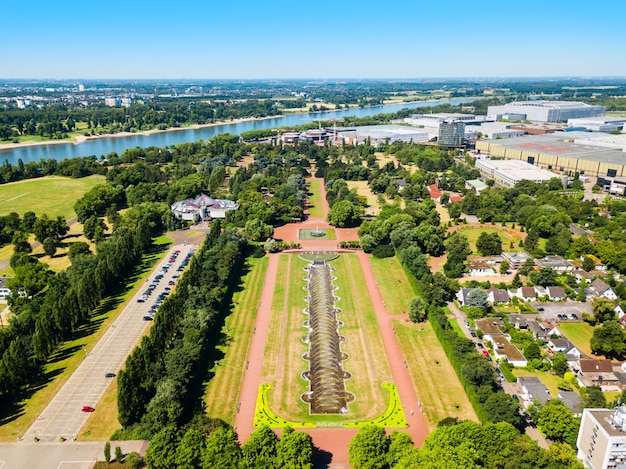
[(161, 384), (52, 306), (458, 445), (210, 444)]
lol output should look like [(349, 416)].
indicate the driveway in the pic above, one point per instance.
[(63, 417)]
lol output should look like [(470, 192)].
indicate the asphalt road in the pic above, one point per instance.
[(63, 417)]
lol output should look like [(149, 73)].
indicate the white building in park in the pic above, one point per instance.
[(546, 111), (507, 173), (202, 208)]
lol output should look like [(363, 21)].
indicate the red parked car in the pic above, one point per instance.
[(88, 408)]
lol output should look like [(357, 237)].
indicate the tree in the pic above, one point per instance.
[(594, 398), (257, 230), (544, 277), (107, 451), (161, 452), (501, 407), (558, 423), (504, 267), (190, 449), (221, 450), (119, 456), (603, 310), (478, 371), (532, 350), (345, 214), (416, 310), (532, 241), (260, 450), (20, 242), (609, 340), (294, 450), (368, 449), (588, 264), (559, 364), (477, 298), (489, 244), (50, 246), (517, 281), (77, 248), (400, 445)]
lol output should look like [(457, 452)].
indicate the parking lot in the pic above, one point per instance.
[(69, 409), (551, 311)]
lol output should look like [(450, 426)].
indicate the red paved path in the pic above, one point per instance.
[(331, 440)]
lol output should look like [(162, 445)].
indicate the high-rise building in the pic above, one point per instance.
[(451, 133), (602, 438)]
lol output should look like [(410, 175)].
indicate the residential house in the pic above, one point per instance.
[(527, 293), (583, 276), (540, 291), (434, 192), (461, 295), (519, 321), (556, 293), (602, 289), (542, 330), (456, 198), (559, 345), (480, 269), (498, 296), (533, 390), (572, 401), (556, 263), (503, 349), (595, 372)]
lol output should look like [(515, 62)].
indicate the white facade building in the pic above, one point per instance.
[(546, 111), (507, 173)]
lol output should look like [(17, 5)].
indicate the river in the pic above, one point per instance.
[(106, 145)]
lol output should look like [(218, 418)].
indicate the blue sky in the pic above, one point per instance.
[(317, 39)]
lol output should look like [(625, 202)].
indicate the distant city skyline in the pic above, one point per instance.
[(322, 40)]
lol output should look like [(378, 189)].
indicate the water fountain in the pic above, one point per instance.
[(327, 393)]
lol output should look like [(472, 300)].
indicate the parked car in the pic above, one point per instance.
[(148, 317), (540, 309), (575, 316), (142, 299), (109, 375), (486, 354), (88, 408)]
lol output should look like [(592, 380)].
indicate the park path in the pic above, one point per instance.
[(417, 426)]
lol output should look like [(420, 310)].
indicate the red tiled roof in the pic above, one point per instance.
[(434, 191), (456, 198), (596, 366)]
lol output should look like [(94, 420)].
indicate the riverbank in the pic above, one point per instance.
[(78, 139)]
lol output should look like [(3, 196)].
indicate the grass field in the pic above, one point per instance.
[(373, 206), (15, 419), (315, 208), (52, 195), (472, 234), (434, 380), (239, 328), (393, 284), (283, 364), (579, 333)]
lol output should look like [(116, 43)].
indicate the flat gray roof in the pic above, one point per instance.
[(557, 144)]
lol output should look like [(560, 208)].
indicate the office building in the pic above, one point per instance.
[(451, 133)]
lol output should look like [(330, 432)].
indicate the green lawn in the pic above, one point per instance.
[(393, 284), (438, 389), (472, 234), (228, 377), (17, 417), (52, 195), (315, 199), (579, 333)]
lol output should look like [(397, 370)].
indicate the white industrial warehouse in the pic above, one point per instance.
[(544, 111), (507, 173)]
